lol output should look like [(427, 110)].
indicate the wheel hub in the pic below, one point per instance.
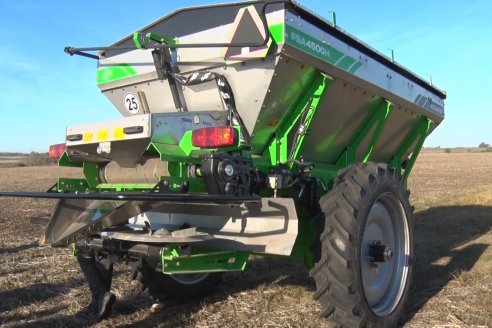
[(379, 253)]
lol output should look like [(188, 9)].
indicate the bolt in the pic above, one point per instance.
[(388, 254), (229, 170)]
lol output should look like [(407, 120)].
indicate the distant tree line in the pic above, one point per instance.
[(35, 158), (11, 154)]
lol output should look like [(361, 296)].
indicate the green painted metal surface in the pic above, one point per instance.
[(304, 241), (174, 262), (73, 249), (67, 184), (278, 149), (142, 41), (91, 173), (371, 130), (160, 38), (114, 73), (405, 153), (320, 49), (307, 115), (277, 32), (184, 151), (65, 161), (185, 143)]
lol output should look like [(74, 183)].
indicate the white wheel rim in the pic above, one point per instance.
[(385, 282)]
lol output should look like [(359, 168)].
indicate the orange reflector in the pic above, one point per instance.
[(214, 137), (56, 151)]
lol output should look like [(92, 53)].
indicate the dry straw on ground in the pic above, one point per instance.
[(452, 284)]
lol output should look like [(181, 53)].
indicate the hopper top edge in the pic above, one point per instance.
[(320, 21)]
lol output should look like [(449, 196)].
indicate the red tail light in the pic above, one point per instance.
[(56, 151), (214, 137)]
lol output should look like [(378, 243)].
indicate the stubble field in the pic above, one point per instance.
[(452, 284)]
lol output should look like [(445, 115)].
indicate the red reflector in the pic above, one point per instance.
[(214, 137), (56, 151)]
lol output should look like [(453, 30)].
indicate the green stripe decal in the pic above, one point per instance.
[(277, 32), (114, 73), (320, 50), (355, 67), (345, 63)]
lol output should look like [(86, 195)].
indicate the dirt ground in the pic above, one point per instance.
[(452, 283)]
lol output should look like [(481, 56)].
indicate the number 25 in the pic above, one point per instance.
[(131, 103)]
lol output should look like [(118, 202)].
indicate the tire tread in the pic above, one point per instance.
[(342, 301)]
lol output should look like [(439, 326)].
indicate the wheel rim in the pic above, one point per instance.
[(385, 280), (190, 279)]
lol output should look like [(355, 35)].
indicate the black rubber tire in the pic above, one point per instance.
[(338, 250), (162, 287)]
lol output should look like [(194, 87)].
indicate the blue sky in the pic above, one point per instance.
[(42, 89)]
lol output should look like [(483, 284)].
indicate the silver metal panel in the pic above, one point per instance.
[(250, 82), (109, 142), (341, 112), (365, 72), (288, 84), (400, 124), (75, 218), (200, 27), (140, 59), (127, 153), (193, 20), (269, 227), (204, 97), (143, 236), (169, 128), (110, 130), (105, 141)]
